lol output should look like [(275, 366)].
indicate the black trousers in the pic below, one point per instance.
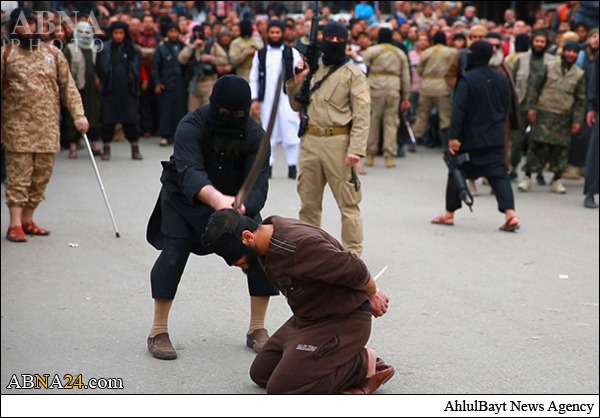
[(131, 130), (168, 269), (489, 163)]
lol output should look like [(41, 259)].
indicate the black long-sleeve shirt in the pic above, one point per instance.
[(480, 102)]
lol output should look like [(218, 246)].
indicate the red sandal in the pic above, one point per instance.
[(511, 225), (16, 234), (32, 229), (443, 220)]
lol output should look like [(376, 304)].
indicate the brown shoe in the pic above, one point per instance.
[(160, 347), (257, 339), (383, 373)]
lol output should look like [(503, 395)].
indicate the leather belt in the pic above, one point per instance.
[(331, 131), (384, 73)]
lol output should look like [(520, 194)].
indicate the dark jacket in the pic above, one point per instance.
[(166, 68), (193, 165), (480, 102)]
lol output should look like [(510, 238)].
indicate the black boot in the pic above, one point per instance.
[(106, 153), (135, 152), (292, 172), (540, 179)]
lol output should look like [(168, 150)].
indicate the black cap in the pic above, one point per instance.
[(493, 35), (335, 29), (572, 45)]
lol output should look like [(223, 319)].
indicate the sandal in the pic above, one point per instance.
[(443, 220), (511, 225), (72, 154), (16, 234), (32, 229)]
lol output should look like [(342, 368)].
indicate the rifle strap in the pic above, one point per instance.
[(333, 69)]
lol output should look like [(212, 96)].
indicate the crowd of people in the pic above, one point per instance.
[(207, 77)]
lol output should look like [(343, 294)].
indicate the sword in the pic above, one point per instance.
[(242, 194), (380, 273)]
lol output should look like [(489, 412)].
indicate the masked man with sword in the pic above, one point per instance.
[(321, 348), (215, 150)]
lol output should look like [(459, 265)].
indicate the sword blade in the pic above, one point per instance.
[(242, 194), (380, 273)]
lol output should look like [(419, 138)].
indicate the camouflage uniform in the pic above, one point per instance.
[(558, 99), (526, 68), (30, 118), (389, 78), (339, 114)]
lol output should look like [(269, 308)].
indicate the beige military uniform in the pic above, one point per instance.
[(199, 97), (389, 81), (433, 66), (30, 118), (241, 61), (339, 115)]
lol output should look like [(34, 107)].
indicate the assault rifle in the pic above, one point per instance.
[(454, 162), (310, 55)]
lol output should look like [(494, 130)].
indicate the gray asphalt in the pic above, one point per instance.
[(473, 310)]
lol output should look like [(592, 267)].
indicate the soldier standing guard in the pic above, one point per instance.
[(336, 136), (33, 73)]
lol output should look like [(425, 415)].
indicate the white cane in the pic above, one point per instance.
[(112, 218)]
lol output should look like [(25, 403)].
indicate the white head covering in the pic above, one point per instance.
[(84, 35)]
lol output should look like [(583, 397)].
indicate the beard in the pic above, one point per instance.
[(275, 43), (497, 59)]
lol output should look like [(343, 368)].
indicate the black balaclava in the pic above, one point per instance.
[(232, 93), (277, 24), (334, 52), (246, 28), (479, 54), (439, 38), (26, 41), (522, 43), (384, 36)]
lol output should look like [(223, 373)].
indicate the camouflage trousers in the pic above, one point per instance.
[(539, 154), (28, 176), (549, 143)]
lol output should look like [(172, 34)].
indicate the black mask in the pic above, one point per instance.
[(334, 52), (232, 93)]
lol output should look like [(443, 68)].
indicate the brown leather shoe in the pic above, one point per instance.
[(257, 339), (383, 373), (160, 347)]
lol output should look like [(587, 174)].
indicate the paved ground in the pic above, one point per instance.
[(473, 310)]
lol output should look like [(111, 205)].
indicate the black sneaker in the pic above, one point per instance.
[(541, 181)]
